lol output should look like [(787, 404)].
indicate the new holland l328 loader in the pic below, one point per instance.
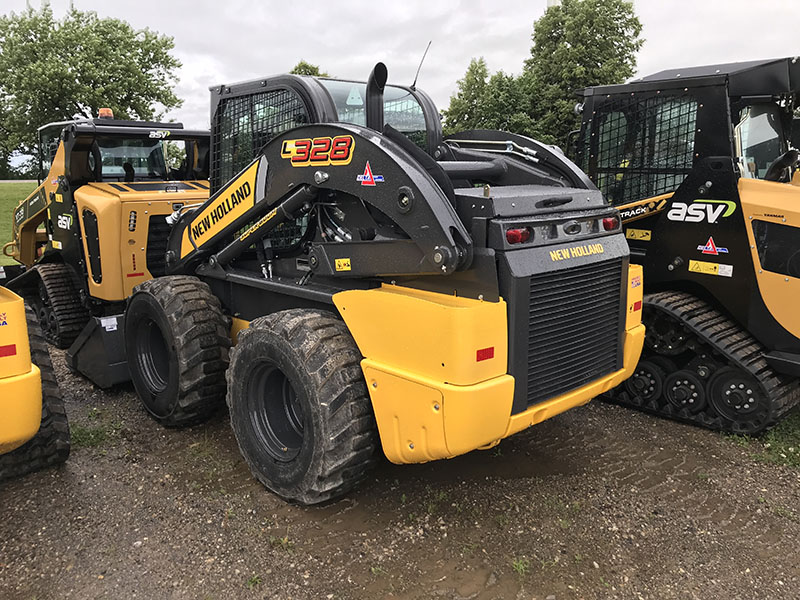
[(703, 166), (382, 284)]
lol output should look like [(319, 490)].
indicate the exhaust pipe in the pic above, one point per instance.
[(375, 85)]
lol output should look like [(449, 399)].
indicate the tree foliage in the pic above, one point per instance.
[(52, 69), (306, 68), (575, 45)]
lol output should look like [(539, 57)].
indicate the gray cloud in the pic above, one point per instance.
[(235, 40)]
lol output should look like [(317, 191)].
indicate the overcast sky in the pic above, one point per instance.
[(234, 40)]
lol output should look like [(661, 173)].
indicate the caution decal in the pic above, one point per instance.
[(707, 268), (644, 235)]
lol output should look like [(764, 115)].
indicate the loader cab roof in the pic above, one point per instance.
[(777, 76)]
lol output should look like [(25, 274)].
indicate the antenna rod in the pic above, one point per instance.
[(414, 85)]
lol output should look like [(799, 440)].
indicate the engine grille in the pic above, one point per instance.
[(157, 235), (573, 328)]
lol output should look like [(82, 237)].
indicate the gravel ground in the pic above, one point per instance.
[(600, 502)]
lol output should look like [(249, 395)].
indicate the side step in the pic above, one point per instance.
[(98, 352)]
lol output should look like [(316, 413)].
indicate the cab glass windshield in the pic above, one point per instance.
[(134, 157), (759, 139), (400, 109)]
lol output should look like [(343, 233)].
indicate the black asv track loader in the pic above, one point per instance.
[(94, 227), (382, 284), (703, 165)]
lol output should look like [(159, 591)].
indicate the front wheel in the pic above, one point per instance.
[(299, 405), (177, 347)]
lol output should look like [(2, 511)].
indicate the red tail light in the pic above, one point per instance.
[(611, 223), (519, 235)]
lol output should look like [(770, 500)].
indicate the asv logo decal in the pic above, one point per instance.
[(159, 134), (701, 210), (64, 221)]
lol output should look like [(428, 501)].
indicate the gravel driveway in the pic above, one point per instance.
[(600, 502)]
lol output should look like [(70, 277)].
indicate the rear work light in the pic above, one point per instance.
[(518, 235), (611, 223)]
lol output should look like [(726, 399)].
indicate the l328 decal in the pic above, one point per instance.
[(320, 151)]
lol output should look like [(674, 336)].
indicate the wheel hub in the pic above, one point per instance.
[(684, 389)]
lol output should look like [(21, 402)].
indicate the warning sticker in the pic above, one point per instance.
[(342, 264), (707, 268), (638, 234)]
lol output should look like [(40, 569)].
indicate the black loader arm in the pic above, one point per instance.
[(316, 166)]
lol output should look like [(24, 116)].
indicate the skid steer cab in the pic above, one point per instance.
[(384, 285), (703, 165), (96, 227)]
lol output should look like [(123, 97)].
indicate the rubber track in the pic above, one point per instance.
[(50, 446), (727, 340), (65, 302)]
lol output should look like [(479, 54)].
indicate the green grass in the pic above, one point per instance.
[(82, 436), (780, 445), (11, 194)]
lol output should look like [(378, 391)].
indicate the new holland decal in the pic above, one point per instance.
[(576, 252), (230, 204), (319, 151)]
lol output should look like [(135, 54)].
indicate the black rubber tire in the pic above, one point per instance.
[(315, 354), (177, 344), (57, 302), (50, 446)]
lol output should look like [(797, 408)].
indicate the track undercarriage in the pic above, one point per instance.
[(700, 367)]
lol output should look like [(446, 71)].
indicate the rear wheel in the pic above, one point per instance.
[(50, 446), (299, 405), (176, 340)]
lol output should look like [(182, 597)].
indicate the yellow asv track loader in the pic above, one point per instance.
[(703, 165), (95, 227), (384, 285), (34, 433)]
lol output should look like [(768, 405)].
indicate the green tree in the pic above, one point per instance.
[(306, 68), (578, 44), (466, 105), (52, 69)]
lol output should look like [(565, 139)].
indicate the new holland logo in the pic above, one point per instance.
[(367, 178), (712, 248)]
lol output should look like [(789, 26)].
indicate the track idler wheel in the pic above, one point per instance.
[(646, 383), (684, 389)]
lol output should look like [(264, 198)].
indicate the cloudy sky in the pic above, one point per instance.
[(234, 40)]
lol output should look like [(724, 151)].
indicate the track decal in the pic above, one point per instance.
[(319, 152)]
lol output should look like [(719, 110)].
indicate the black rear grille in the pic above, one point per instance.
[(573, 328), (157, 235)]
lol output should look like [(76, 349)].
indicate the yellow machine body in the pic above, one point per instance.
[(123, 222), (778, 203), (20, 380), (436, 367)]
